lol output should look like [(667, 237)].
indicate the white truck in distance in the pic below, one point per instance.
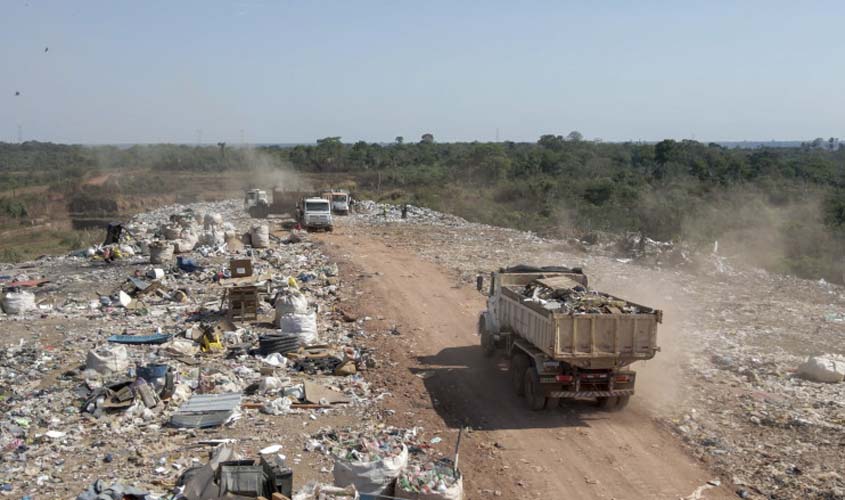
[(315, 213), (340, 202)]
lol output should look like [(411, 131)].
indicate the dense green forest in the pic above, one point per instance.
[(783, 208)]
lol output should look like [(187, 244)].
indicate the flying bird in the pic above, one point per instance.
[(17, 93), (46, 49)]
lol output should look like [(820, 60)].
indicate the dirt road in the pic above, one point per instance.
[(572, 452)]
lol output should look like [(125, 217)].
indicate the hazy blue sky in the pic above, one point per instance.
[(119, 71)]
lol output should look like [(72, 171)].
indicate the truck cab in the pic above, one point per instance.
[(316, 213), (255, 197), (340, 202), (256, 203)]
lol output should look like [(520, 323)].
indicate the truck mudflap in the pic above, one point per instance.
[(590, 394)]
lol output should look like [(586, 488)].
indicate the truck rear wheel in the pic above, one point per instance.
[(519, 365), (613, 403), (488, 344), (534, 395)]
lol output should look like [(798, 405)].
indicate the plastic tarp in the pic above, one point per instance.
[(374, 478)]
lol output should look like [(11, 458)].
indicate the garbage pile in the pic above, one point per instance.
[(389, 461), (576, 300), (115, 371)]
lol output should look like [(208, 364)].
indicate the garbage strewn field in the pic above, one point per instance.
[(750, 373), (206, 348), (195, 355)]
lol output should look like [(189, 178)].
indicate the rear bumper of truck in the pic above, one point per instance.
[(590, 394)]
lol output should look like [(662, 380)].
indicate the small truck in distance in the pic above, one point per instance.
[(565, 340)]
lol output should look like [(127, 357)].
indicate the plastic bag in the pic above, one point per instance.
[(374, 478), (108, 359), (291, 303), (260, 236), (161, 253), (18, 302), (304, 325)]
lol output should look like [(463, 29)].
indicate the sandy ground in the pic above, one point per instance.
[(440, 380)]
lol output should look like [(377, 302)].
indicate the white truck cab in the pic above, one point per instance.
[(340, 202), (316, 213), (255, 197)]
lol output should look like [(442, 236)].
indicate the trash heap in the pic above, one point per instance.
[(389, 461), (429, 478), (576, 300), (121, 364)]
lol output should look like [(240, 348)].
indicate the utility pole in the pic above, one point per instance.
[(20, 133), (497, 134), (242, 137), (199, 137)]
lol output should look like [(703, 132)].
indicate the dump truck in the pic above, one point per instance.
[(260, 206), (565, 340), (315, 213), (339, 200)]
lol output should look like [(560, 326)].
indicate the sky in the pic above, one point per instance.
[(294, 71)]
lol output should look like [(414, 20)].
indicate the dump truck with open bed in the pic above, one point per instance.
[(564, 339)]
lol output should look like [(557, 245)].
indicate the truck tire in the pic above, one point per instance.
[(534, 395), (519, 365), (613, 403), (622, 402), (488, 344)]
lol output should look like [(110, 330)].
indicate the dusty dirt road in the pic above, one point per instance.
[(575, 451)]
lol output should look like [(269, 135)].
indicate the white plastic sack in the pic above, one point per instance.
[(171, 232), (181, 347), (279, 406), (18, 302), (260, 235), (303, 324), (829, 368), (276, 360), (108, 359), (291, 303), (373, 478), (183, 245), (270, 384), (127, 250), (161, 253)]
